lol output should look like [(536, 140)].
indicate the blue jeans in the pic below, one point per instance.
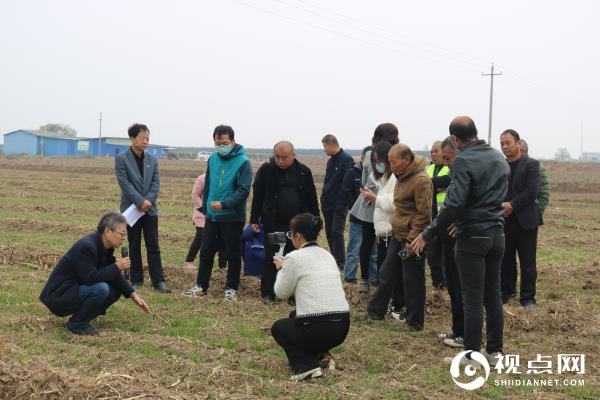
[(95, 300), (352, 255)]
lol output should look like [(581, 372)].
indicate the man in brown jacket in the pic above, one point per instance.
[(412, 198)]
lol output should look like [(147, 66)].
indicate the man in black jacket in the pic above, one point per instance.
[(332, 204), (474, 203), (523, 216), (283, 187), (87, 280)]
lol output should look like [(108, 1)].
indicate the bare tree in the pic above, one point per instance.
[(62, 129), (562, 154)]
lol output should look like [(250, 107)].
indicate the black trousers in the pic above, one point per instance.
[(195, 248), (366, 246), (411, 273), (523, 242), (478, 258), (435, 260), (229, 236), (303, 343), (147, 224), (335, 223), (269, 272), (453, 280), (398, 289)]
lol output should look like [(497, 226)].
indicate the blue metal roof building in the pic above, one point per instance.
[(48, 144)]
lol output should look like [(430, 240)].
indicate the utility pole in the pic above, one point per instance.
[(491, 75), (100, 138), (581, 140)]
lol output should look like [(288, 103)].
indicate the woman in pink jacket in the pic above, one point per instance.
[(199, 218)]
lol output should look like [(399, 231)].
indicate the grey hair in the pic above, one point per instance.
[(449, 142), (524, 146), (110, 220), (330, 139)]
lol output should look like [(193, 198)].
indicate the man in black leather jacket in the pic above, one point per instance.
[(474, 204)]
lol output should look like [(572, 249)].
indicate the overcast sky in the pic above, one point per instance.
[(298, 69)]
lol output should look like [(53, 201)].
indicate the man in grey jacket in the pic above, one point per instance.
[(138, 177)]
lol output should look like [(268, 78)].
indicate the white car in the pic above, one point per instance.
[(202, 156)]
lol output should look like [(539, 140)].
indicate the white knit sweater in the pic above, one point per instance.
[(311, 275), (384, 206)]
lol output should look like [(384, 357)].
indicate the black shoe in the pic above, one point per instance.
[(366, 317), (86, 331), (410, 328), (528, 304), (162, 288), (137, 285)]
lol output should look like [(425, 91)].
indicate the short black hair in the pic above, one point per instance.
[(110, 220), (135, 130), (463, 131), (513, 133), (449, 142), (307, 225), (381, 150), (386, 132), (331, 140), (365, 150), (224, 130)]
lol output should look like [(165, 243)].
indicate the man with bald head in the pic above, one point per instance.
[(438, 172), (474, 204), (402, 266), (283, 187)]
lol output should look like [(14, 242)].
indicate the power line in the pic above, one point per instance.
[(341, 34), (370, 32), (459, 63)]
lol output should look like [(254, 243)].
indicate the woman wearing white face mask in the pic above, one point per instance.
[(384, 208), (322, 317)]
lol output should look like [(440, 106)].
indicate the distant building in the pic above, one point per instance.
[(590, 157), (50, 144)]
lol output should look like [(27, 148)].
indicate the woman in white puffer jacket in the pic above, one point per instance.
[(384, 208)]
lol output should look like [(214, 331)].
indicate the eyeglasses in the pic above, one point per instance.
[(288, 234), (123, 233)]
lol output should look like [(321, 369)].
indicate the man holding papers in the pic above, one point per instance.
[(138, 177)]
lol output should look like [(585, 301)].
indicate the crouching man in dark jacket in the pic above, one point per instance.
[(87, 280)]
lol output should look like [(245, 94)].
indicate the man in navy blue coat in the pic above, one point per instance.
[(332, 202), (87, 280)]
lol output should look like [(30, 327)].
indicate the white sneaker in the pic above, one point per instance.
[(492, 358), (195, 293), (456, 341), (331, 365), (230, 295), (313, 373)]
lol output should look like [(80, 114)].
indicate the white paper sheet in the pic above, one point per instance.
[(132, 214)]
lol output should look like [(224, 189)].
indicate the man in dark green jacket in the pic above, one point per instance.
[(226, 190), (543, 196)]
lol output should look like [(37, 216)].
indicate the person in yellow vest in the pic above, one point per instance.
[(438, 173)]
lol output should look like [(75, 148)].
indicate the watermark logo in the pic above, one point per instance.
[(540, 372), (470, 369)]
